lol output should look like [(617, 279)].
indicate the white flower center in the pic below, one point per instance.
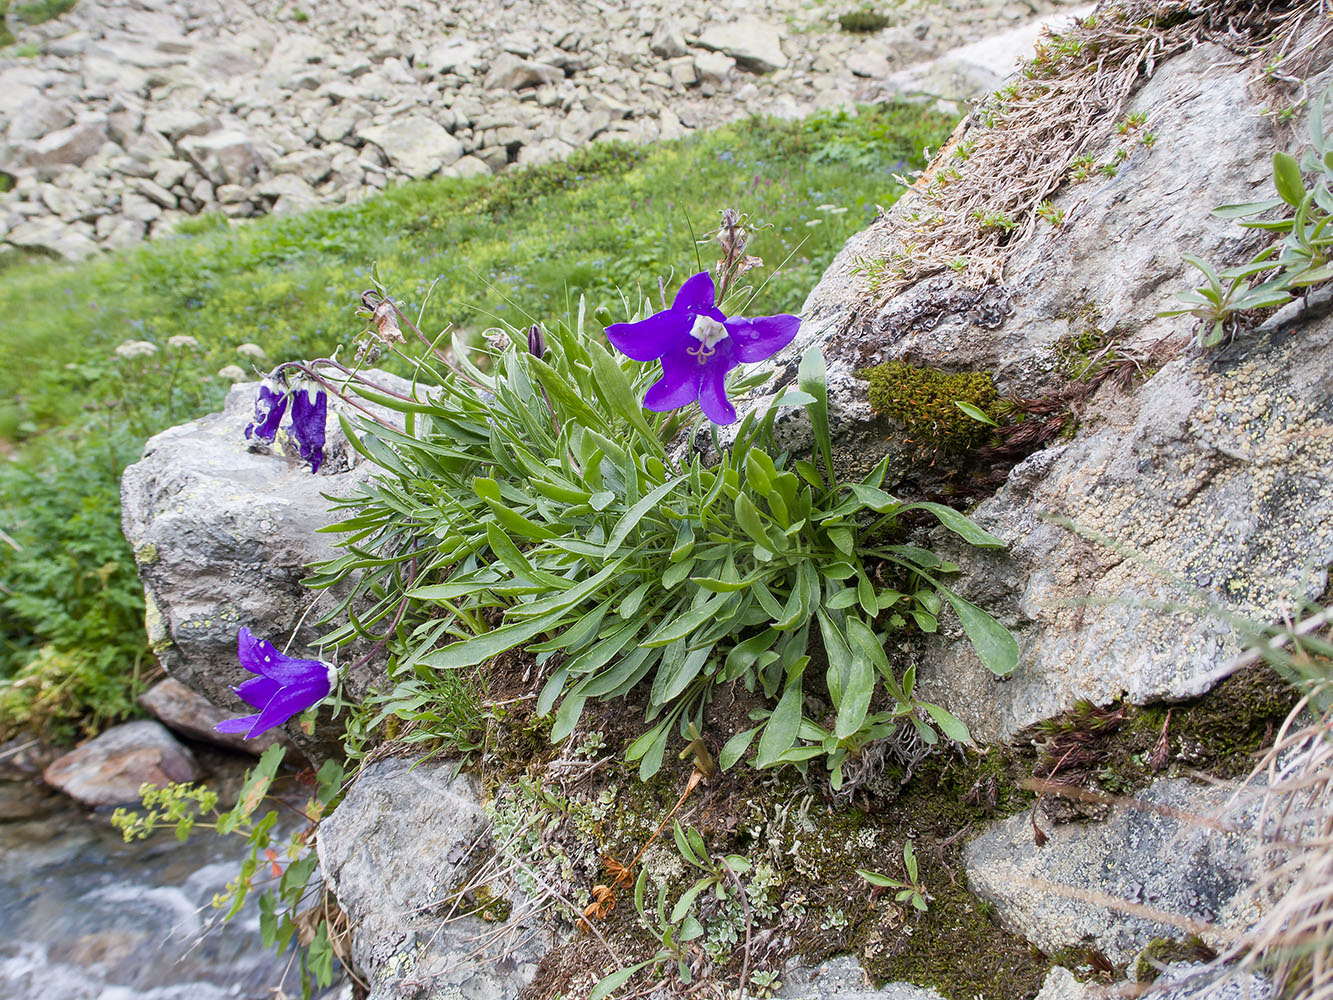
[(333, 675), (709, 333)]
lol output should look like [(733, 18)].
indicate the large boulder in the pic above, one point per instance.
[(403, 853), (754, 44), (415, 145), (226, 156), (223, 534), (109, 770), (1174, 852), (1185, 480)]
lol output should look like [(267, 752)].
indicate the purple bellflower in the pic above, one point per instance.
[(270, 405), (309, 410), (284, 687), (698, 345)]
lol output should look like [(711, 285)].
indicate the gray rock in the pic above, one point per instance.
[(69, 146), (155, 192), (449, 56), (1192, 471), (177, 123), (109, 769), (467, 166), (842, 978), (290, 193), (228, 156), (1195, 982), (415, 145), (39, 117), (51, 234), (396, 852), (222, 536), (509, 72), (754, 44), (713, 67), (668, 40), (1155, 856)]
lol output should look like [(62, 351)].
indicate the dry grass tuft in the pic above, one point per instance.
[(1292, 944)]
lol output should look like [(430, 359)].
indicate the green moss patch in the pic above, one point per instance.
[(925, 402)]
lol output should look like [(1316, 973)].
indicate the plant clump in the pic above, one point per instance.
[(862, 22), (933, 406)]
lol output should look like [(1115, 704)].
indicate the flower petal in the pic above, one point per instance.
[(696, 295), (762, 336), (260, 657), (270, 405), (258, 691), (649, 339), (309, 412), (713, 390), (288, 702), (237, 726), (678, 386)]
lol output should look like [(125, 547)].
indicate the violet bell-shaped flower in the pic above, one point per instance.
[(698, 346), (270, 405), (284, 687), (309, 412)]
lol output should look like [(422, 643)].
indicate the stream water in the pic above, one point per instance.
[(85, 916)]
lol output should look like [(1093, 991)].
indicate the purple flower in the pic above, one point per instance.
[(270, 405), (285, 686), (698, 346), (309, 410)]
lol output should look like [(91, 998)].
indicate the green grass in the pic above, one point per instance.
[(518, 248)]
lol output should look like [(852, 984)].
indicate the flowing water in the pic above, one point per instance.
[(85, 916)]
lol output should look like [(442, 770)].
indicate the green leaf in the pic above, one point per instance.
[(734, 749), (951, 725), (812, 377), (506, 551), (995, 645), (471, 652), (780, 732), (748, 517), (1287, 179), (616, 392), (975, 412), (567, 718), (636, 513), (609, 984), (875, 878), (687, 898), (961, 525)]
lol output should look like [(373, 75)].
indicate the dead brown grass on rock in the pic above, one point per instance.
[(1292, 942), (978, 201)]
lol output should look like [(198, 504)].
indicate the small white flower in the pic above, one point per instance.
[(135, 349), (233, 372), (182, 340), (251, 351)]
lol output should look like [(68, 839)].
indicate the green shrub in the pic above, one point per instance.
[(862, 21), (290, 284), (42, 10), (72, 641)]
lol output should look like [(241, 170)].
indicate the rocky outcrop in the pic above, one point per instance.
[(109, 769), (402, 853), (223, 533), (1186, 480), (210, 103), (1175, 850)]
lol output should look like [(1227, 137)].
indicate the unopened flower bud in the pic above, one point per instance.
[(536, 341)]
